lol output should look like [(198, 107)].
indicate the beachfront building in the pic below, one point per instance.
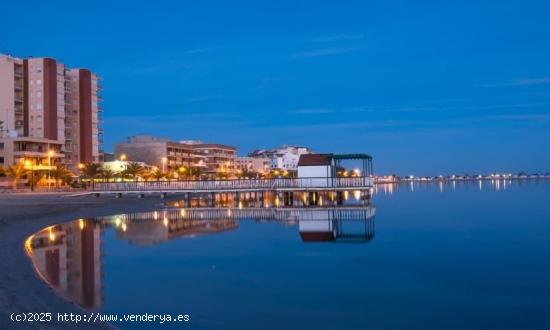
[(163, 153), (283, 158), (195, 157), (219, 158), (48, 113), (257, 165), (83, 135)]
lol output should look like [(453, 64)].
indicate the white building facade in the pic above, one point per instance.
[(283, 158)]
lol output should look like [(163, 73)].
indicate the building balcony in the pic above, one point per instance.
[(36, 154)]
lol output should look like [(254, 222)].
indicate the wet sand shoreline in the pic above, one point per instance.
[(21, 215)]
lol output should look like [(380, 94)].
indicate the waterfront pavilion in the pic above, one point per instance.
[(327, 165)]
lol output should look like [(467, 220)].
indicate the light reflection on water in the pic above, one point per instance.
[(69, 256), (449, 255)]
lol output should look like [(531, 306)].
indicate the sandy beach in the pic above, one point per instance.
[(21, 290)]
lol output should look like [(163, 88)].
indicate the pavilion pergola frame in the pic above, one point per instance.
[(367, 169)]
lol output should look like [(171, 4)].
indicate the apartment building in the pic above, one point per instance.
[(219, 158), (82, 130), (42, 111), (169, 155), (155, 151)]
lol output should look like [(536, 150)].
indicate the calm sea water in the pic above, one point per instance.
[(433, 257)]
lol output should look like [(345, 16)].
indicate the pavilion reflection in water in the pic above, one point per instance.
[(68, 256), (337, 225)]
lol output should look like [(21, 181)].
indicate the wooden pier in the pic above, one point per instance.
[(230, 186)]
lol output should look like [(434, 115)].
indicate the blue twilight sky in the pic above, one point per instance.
[(426, 87)]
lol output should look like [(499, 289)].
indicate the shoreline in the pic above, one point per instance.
[(21, 215)]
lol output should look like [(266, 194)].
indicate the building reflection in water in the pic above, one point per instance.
[(151, 228), (68, 256)]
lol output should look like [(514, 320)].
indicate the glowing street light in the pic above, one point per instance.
[(122, 157)]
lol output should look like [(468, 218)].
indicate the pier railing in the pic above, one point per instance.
[(278, 214), (236, 185)]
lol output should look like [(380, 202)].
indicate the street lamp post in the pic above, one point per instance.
[(81, 169), (30, 163), (50, 155)]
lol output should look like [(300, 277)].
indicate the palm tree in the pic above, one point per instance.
[(195, 172), (156, 174), (16, 172), (107, 174), (92, 170), (134, 170), (61, 174)]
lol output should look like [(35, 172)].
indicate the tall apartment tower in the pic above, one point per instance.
[(82, 134), (48, 113)]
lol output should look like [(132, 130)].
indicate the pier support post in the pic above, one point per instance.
[(140, 195), (118, 195), (339, 198), (163, 195)]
